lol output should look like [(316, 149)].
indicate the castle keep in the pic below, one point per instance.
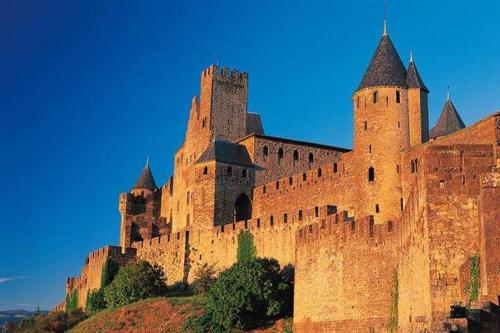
[(383, 233)]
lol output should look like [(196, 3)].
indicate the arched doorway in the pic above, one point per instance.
[(242, 208)]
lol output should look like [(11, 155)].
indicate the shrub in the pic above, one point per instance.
[(248, 293), (134, 282), (246, 249), (95, 301), (53, 322), (109, 271), (72, 301), (179, 287), (204, 278)]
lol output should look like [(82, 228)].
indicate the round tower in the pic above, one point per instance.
[(145, 184), (381, 131)]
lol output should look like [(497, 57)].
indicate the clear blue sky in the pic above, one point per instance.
[(88, 89)]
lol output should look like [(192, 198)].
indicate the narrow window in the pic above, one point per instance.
[(300, 214), (397, 168), (290, 181), (277, 185), (386, 100), (441, 184), (320, 173), (316, 211), (311, 158), (335, 167), (416, 165), (285, 218), (271, 220), (377, 209), (265, 151), (244, 173), (205, 170), (204, 123), (280, 155), (370, 149), (412, 167), (401, 204), (258, 223), (187, 197), (371, 174), (229, 171), (264, 189), (375, 97), (304, 176), (399, 124), (365, 124), (398, 96), (295, 156)]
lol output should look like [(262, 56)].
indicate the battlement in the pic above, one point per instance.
[(345, 228), (224, 74), (312, 177), (106, 252), (169, 239)]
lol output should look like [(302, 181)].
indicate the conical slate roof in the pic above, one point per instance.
[(449, 121), (413, 79), (145, 180), (385, 68)]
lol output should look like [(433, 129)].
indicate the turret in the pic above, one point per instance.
[(449, 121), (418, 111), (145, 184), (381, 131)]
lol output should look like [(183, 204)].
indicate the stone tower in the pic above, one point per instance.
[(418, 111), (381, 131)]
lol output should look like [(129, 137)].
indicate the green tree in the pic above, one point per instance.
[(109, 271), (246, 294), (72, 301), (95, 301), (134, 282), (246, 247), (204, 278)]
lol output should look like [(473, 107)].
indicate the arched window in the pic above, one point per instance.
[(271, 220), (377, 209), (285, 217), (242, 208), (295, 156), (335, 167), (205, 170), (398, 96), (290, 180), (281, 154), (277, 185), (264, 189), (320, 173), (300, 214), (371, 174), (229, 171), (375, 97), (316, 211), (311, 158), (265, 151)]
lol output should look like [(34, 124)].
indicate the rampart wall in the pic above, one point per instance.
[(353, 261)]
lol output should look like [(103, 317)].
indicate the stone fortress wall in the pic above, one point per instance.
[(386, 230)]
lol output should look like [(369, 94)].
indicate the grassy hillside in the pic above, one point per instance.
[(153, 315), (163, 314)]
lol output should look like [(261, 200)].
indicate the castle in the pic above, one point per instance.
[(386, 230)]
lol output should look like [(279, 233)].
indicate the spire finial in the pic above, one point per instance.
[(147, 161), (411, 56), (448, 93), (385, 19)]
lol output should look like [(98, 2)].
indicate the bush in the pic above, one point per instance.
[(72, 301), (249, 293), (134, 282), (109, 271), (53, 322), (204, 278), (95, 301), (246, 248)]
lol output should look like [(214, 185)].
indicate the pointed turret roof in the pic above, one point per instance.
[(145, 180), (385, 68), (413, 79), (449, 121)]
